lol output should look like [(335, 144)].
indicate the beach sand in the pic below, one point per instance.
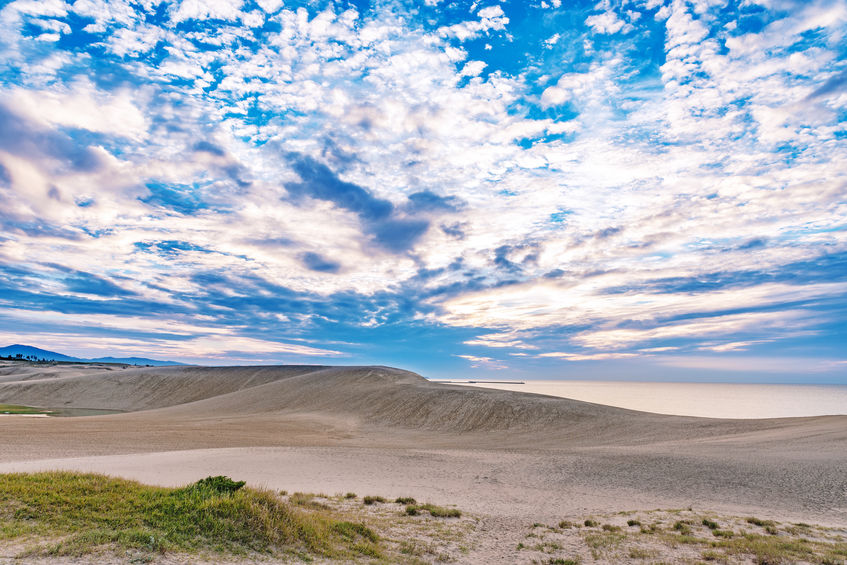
[(509, 458)]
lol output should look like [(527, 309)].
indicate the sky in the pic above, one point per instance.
[(633, 189)]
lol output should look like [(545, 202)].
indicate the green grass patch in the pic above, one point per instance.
[(759, 522), (441, 511), (434, 511), (603, 542), (63, 513), (18, 409), (405, 500), (683, 527), (307, 501), (640, 553), (679, 536), (373, 500)]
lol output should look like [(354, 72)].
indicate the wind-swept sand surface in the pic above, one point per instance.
[(508, 457)]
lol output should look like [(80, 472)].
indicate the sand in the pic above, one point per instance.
[(507, 457)]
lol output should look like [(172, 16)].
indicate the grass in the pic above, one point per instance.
[(686, 536), (759, 522), (683, 527), (307, 501), (373, 500), (63, 513), (18, 409), (434, 511)]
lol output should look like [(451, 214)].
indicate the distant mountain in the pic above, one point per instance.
[(30, 352), (134, 361)]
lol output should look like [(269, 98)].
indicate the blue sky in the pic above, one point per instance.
[(624, 190)]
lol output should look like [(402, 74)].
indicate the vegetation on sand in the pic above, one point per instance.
[(17, 409), (74, 514), (434, 511), (686, 536)]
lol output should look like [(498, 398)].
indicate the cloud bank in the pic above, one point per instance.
[(469, 187)]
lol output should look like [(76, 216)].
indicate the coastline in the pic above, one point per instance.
[(698, 399)]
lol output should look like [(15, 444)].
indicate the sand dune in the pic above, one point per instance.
[(362, 427), (378, 397)]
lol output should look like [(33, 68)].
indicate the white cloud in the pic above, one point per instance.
[(731, 346), (580, 86), (699, 328), (654, 180), (44, 8), (196, 341), (270, 6), (587, 356), (500, 340), (473, 68), (547, 304), (484, 362), (207, 9), (82, 107), (608, 23), (491, 18), (746, 364)]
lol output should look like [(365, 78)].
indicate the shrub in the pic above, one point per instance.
[(441, 512), (682, 527), (219, 484)]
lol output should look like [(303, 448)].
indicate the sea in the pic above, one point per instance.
[(709, 400)]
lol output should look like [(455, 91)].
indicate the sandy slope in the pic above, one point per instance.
[(385, 431)]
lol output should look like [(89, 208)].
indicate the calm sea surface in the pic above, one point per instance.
[(713, 400)]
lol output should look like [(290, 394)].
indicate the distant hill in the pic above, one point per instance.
[(134, 361), (35, 353), (28, 351)]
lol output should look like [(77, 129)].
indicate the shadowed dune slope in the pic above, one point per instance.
[(377, 397), (131, 389)]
